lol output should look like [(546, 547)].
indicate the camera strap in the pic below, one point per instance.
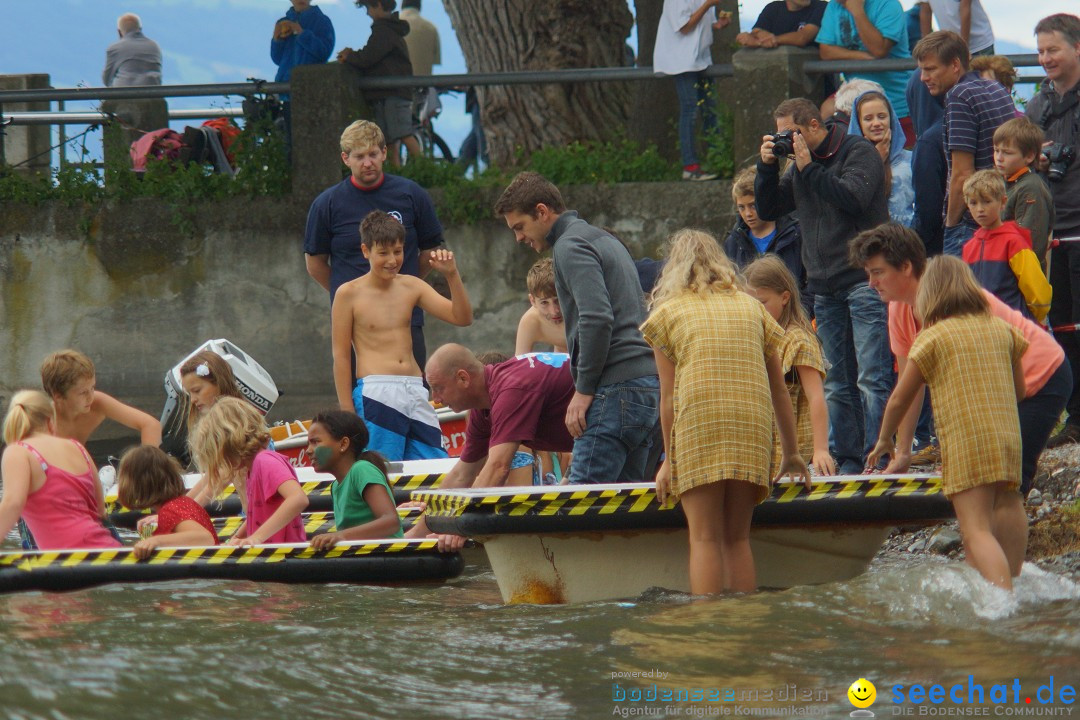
[(1058, 105)]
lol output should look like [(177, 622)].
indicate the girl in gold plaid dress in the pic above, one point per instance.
[(801, 360), (716, 353), (971, 361)]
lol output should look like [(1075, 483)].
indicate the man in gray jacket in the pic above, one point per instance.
[(134, 59), (613, 415)]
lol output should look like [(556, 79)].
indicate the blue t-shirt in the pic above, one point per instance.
[(762, 243), (333, 227), (838, 28)]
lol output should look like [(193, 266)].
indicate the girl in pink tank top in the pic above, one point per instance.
[(63, 509)]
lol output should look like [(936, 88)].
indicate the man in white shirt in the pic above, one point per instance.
[(966, 18), (682, 50)]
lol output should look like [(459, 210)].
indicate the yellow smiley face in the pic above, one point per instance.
[(862, 693)]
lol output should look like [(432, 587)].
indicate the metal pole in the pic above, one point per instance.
[(63, 140)]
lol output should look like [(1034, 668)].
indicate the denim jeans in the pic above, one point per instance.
[(854, 332), (693, 91), (956, 236), (619, 431), (1038, 416)]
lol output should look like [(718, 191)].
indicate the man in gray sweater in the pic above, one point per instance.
[(134, 59), (613, 415)]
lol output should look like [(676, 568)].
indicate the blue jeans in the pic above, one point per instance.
[(619, 431), (854, 330), (1038, 416), (956, 236), (693, 91)]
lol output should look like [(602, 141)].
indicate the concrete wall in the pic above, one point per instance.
[(136, 294)]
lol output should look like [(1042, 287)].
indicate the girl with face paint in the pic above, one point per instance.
[(363, 502)]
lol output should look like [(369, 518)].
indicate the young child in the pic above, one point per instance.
[(716, 351), (1000, 253), (230, 446), (205, 377), (785, 22), (542, 322), (753, 237), (68, 377), (1017, 145), (49, 481), (363, 502), (801, 360), (971, 362), (372, 315), (149, 478)]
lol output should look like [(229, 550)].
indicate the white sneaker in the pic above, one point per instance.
[(698, 175)]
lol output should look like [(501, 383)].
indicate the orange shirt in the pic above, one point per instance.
[(1042, 359)]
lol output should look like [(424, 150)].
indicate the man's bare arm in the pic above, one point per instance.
[(318, 267)]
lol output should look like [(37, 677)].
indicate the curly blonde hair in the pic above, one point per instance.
[(227, 438), (695, 263)]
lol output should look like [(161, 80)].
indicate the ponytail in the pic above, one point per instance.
[(30, 412)]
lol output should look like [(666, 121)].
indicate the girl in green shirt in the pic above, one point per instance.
[(363, 502)]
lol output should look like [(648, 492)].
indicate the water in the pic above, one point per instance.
[(232, 650)]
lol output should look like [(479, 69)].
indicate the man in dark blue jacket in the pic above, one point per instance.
[(836, 189), (305, 36)]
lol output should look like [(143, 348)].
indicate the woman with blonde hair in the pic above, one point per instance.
[(716, 353), (971, 362), (801, 359), (50, 482), (231, 445)]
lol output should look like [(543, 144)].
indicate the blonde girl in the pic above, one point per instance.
[(716, 352), (230, 445), (50, 482), (150, 478), (206, 376), (801, 360), (971, 361)]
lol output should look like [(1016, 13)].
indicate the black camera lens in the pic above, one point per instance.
[(784, 144)]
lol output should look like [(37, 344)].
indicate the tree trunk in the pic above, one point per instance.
[(516, 35)]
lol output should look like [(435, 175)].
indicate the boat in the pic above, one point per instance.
[(377, 562), (582, 543), (405, 477)]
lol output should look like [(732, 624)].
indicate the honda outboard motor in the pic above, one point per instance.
[(253, 382)]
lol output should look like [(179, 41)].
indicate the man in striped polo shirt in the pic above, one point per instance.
[(974, 108)]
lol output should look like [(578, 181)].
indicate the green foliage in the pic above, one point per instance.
[(719, 144), (467, 200), (261, 170), (613, 161)]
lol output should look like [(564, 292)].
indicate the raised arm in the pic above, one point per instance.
[(149, 427), (877, 44), (456, 310), (696, 16)]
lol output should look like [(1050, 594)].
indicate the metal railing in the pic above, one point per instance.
[(258, 87)]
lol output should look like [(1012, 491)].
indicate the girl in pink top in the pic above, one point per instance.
[(230, 445), (51, 482)]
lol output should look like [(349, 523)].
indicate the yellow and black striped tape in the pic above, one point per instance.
[(585, 501), (406, 483), (315, 523), (216, 555)]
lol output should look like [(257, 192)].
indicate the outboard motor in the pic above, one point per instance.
[(253, 382)]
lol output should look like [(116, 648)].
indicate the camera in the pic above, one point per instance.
[(1060, 157), (784, 144)]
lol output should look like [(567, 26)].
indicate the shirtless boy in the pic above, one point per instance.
[(542, 322), (372, 315), (68, 377)]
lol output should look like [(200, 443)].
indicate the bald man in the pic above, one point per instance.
[(518, 402), (134, 59)]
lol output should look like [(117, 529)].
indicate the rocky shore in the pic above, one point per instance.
[(1053, 509)]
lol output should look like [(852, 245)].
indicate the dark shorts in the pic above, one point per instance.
[(393, 115)]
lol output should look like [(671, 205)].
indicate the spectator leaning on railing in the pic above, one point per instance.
[(134, 59)]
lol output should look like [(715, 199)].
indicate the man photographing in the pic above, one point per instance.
[(836, 188), (1056, 109)]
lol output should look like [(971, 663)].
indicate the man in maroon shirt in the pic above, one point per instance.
[(520, 401)]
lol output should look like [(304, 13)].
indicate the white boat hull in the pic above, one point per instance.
[(590, 566)]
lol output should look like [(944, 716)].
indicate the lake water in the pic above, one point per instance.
[(232, 650)]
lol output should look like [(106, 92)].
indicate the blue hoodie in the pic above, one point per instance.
[(902, 195), (311, 47)]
